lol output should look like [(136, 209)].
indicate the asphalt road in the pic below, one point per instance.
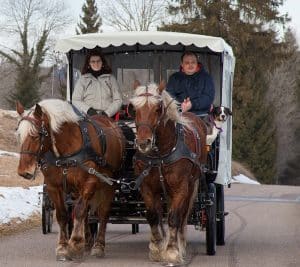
[(262, 230)]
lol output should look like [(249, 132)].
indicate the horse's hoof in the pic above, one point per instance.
[(62, 253), (63, 258), (172, 257), (155, 256), (98, 251), (76, 253)]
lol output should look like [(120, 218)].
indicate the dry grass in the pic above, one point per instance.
[(17, 226), (9, 176)]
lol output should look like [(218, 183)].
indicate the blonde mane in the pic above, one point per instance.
[(154, 98), (58, 112)]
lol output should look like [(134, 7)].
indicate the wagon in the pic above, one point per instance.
[(153, 57)]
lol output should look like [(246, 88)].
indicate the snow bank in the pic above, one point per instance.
[(18, 202), (243, 179)]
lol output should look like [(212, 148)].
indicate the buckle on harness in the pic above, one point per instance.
[(91, 171)]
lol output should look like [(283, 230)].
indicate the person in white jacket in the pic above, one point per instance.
[(97, 90)]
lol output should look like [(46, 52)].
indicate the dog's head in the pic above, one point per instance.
[(221, 113)]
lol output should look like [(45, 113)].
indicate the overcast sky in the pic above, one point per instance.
[(290, 6)]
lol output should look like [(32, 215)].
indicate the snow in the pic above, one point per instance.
[(19, 203), (241, 178), (6, 153)]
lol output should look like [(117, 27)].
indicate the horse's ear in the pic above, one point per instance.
[(19, 108), (161, 86), (38, 111), (136, 84)]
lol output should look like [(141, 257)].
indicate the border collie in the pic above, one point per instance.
[(218, 115)]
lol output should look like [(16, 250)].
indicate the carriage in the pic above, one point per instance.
[(153, 57)]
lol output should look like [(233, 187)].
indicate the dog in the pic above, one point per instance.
[(217, 116)]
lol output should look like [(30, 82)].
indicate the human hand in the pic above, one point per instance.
[(186, 105), (92, 111)]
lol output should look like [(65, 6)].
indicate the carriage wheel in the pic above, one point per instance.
[(44, 220), (47, 213), (135, 228), (211, 221), (220, 215)]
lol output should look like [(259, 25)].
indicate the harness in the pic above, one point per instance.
[(77, 159), (179, 151)]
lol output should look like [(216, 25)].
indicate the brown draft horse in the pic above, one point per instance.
[(171, 153), (53, 127)]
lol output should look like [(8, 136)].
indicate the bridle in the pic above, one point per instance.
[(43, 133), (162, 115)]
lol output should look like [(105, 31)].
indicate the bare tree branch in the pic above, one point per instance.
[(133, 15)]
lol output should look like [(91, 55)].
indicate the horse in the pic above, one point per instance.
[(171, 154), (72, 152)]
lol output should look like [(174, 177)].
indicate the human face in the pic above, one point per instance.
[(95, 63), (189, 64)]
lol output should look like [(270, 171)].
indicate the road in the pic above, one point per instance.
[(262, 230)]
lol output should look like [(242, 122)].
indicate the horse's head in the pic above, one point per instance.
[(33, 134), (149, 111)]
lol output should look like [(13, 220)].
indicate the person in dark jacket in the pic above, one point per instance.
[(192, 86)]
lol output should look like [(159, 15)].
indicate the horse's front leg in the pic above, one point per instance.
[(104, 200), (152, 199), (175, 248), (56, 195), (77, 241)]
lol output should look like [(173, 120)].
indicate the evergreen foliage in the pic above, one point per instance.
[(245, 25), (27, 63), (90, 20)]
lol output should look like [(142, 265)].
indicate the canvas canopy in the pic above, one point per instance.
[(118, 39)]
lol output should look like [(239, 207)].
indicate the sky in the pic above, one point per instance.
[(290, 6)]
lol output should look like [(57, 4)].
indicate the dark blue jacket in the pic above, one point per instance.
[(199, 87)]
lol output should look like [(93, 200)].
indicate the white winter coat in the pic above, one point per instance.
[(102, 93)]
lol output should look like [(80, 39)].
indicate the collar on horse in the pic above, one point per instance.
[(178, 152)]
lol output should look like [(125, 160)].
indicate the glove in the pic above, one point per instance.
[(92, 111), (102, 113)]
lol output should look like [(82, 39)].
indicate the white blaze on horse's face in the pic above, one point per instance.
[(146, 120), (30, 144)]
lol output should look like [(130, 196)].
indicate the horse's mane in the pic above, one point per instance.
[(58, 112), (171, 104)]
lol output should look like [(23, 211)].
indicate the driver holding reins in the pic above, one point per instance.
[(192, 86)]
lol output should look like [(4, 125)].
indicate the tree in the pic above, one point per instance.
[(31, 22), (90, 20), (133, 15), (250, 27), (283, 92)]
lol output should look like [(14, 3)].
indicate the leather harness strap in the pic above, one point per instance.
[(85, 153), (179, 151)]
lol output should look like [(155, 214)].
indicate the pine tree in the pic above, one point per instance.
[(90, 20), (244, 25)]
